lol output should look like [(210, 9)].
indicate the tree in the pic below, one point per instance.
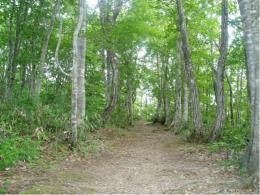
[(40, 67), (220, 98), (109, 12), (78, 73), (249, 10), (195, 104), (165, 89), (177, 121), (14, 48)]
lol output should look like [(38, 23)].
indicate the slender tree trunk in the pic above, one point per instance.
[(78, 73), (239, 96), (33, 68), (189, 69), (220, 96), (249, 10), (230, 102), (106, 59), (185, 115), (177, 121), (158, 110), (8, 91), (108, 17), (40, 67), (56, 57), (13, 55), (130, 100), (106, 76), (157, 116), (114, 92), (166, 102), (23, 79)]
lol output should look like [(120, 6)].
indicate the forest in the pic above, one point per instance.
[(95, 94)]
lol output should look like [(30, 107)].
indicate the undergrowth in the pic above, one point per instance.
[(233, 141)]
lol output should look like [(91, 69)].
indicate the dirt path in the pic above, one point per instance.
[(150, 161)]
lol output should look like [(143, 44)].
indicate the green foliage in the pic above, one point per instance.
[(16, 148), (233, 141), (4, 186), (148, 112)]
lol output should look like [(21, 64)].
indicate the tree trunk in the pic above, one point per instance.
[(33, 67), (249, 10), (230, 102), (185, 115), (220, 96), (177, 121), (44, 51), (21, 16), (23, 79), (166, 103), (195, 103), (130, 100), (158, 110), (114, 92), (8, 91), (239, 96), (157, 116), (78, 73), (107, 20)]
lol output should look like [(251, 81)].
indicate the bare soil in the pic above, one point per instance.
[(146, 160)]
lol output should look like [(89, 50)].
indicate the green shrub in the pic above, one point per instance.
[(233, 142), (17, 148)]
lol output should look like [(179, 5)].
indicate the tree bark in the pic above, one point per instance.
[(33, 67), (249, 10), (239, 96), (185, 114), (109, 12), (130, 100), (166, 103), (230, 102), (21, 16), (57, 62), (40, 67), (177, 121), (157, 116), (220, 96), (189, 69), (78, 73), (23, 78)]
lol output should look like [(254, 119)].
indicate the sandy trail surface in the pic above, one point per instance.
[(151, 160)]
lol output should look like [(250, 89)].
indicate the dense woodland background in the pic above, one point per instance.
[(68, 69)]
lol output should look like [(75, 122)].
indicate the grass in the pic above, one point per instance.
[(4, 186), (15, 148)]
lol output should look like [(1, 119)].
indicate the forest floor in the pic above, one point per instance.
[(146, 160)]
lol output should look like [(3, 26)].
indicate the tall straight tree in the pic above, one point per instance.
[(220, 98), (157, 116), (177, 121), (78, 73), (166, 102), (249, 10), (189, 69)]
